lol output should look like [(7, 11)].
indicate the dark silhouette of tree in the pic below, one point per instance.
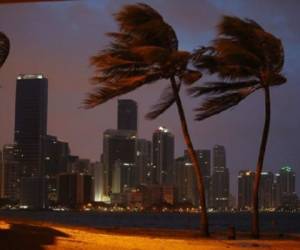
[(144, 51), (4, 48), (246, 58)]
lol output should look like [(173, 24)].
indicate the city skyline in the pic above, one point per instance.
[(239, 134)]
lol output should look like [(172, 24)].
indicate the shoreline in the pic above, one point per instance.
[(48, 235)]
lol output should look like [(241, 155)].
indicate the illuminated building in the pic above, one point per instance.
[(220, 180), (286, 184), (245, 187), (118, 146), (184, 177), (265, 190), (163, 156), (144, 161), (30, 134), (11, 173)]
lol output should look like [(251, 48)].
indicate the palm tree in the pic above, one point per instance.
[(4, 48), (246, 58), (144, 51)]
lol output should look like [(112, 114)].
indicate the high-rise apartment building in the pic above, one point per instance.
[(286, 185), (11, 173), (245, 189), (31, 123), (144, 161), (29, 137), (163, 156), (266, 190), (220, 179), (119, 150), (56, 156), (184, 177)]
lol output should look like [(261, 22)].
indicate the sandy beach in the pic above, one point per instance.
[(25, 235)]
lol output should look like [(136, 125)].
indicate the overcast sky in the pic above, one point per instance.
[(57, 39)]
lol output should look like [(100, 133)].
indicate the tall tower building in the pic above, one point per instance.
[(184, 177), (220, 179), (31, 122), (163, 156), (286, 182), (245, 187), (119, 151), (144, 160), (11, 173), (185, 182), (266, 190), (56, 156), (29, 137), (127, 115)]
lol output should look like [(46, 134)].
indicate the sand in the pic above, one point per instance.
[(25, 235)]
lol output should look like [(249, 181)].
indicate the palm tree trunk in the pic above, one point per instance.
[(193, 158), (259, 166)]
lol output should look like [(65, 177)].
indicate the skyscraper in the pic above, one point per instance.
[(286, 187), (185, 182), (163, 156), (266, 190), (11, 173), (56, 156), (245, 187), (184, 177), (31, 122), (287, 180), (144, 160), (119, 150), (220, 179), (29, 137), (127, 115)]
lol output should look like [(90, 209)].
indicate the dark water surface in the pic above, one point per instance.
[(270, 222)]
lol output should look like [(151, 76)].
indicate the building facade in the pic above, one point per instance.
[(220, 180), (245, 188), (119, 146), (30, 134), (163, 156)]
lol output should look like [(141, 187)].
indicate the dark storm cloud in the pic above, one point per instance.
[(58, 39)]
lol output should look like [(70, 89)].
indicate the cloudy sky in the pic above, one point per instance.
[(57, 39)]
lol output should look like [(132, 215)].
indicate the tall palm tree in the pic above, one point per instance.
[(4, 48), (247, 58), (144, 51)]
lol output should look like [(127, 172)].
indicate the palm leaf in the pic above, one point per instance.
[(166, 100), (220, 87), (4, 48), (146, 24), (109, 90), (217, 104)]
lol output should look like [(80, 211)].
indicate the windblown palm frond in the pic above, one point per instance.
[(147, 25), (245, 55), (143, 51), (214, 88), (219, 103), (166, 100), (4, 48)]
